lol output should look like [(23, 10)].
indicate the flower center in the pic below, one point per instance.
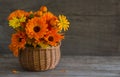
[(50, 38), (36, 29), (20, 40)]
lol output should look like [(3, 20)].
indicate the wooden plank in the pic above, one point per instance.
[(75, 7), (69, 66), (86, 7), (102, 32), (94, 28)]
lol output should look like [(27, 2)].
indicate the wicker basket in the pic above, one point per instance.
[(37, 59)]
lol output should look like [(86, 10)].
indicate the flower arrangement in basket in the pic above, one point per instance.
[(40, 29)]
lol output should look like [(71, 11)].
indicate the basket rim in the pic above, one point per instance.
[(50, 47)]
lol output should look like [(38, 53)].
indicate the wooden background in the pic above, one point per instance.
[(94, 29)]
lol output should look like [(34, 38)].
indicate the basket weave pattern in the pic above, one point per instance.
[(37, 59)]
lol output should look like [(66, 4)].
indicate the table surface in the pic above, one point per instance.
[(69, 66)]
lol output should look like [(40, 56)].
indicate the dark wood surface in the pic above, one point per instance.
[(94, 29), (69, 66)]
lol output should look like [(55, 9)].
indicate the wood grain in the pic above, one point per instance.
[(69, 66), (94, 29)]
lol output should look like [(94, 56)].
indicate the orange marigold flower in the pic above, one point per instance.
[(14, 49), (38, 13), (18, 41), (36, 28), (53, 21), (53, 37), (18, 14), (50, 19), (48, 16), (43, 8)]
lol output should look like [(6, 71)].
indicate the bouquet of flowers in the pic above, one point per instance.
[(36, 29)]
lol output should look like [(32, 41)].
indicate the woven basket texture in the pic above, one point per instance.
[(37, 59)]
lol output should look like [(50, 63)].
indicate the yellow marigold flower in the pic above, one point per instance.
[(16, 22), (43, 45), (63, 23), (22, 19)]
